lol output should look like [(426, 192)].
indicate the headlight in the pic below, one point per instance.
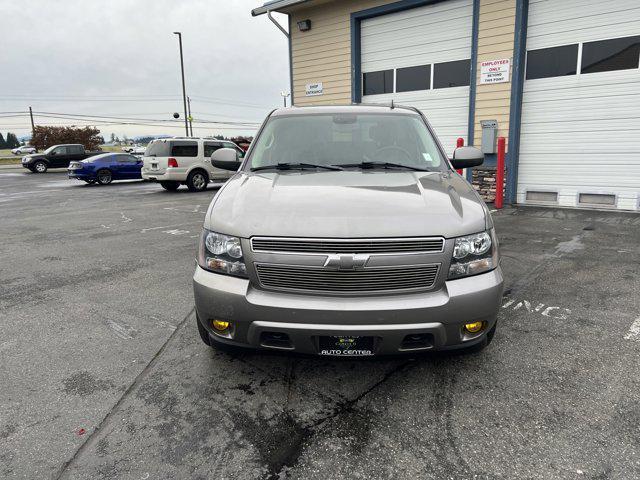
[(474, 254), (221, 254)]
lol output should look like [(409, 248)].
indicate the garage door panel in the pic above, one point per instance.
[(423, 36), (581, 133), (558, 22)]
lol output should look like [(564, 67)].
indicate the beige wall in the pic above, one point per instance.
[(495, 42), (323, 54)]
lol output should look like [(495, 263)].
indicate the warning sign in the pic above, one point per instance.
[(495, 71)]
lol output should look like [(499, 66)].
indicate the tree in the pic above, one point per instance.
[(12, 140), (44, 137), (3, 144)]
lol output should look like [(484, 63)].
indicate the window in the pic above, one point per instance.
[(552, 62), (452, 74), (413, 78), (75, 149), (209, 148), (184, 149), (127, 159), (61, 151), (608, 55), (375, 83), (339, 139)]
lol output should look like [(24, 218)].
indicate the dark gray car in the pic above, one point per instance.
[(347, 232)]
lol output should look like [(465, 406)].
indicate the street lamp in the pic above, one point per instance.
[(284, 97), (184, 91)]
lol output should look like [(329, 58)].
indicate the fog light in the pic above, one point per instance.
[(474, 327), (220, 325)]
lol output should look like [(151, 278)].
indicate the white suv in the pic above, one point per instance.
[(184, 160)]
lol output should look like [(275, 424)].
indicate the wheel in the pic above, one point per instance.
[(171, 186), (104, 177), (39, 167), (90, 182), (197, 181)]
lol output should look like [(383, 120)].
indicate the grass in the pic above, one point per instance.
[(10, 161)]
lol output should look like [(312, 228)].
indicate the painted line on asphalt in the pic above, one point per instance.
[(558, 313), (634, 331)]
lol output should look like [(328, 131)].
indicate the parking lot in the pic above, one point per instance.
[(104, 374)]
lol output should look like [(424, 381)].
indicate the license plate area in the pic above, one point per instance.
[(154, 166), (346, 345)]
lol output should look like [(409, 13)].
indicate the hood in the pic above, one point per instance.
[(346, 204), (31, 156)]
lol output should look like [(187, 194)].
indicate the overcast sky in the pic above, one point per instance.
[(119, 58)]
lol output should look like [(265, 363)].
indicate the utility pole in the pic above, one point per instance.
[(190, 117), (184, 90), (33, 126)]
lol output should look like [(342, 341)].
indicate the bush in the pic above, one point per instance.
[(44, 137)]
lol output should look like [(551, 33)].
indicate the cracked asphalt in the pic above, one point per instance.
[(103, 374)]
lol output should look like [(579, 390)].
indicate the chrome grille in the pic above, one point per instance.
[(288, 277), (302, 245)]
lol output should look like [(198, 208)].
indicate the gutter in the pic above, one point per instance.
[(275, 5)]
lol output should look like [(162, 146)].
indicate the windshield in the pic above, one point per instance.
[(346, 139), (50, 149)]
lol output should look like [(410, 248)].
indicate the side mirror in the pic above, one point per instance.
[(465, 157), (226, 159)]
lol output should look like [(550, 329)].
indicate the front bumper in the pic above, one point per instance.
[(438, 315)]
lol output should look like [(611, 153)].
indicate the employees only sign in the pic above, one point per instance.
[(495, 71)]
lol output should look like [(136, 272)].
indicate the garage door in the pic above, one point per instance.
[(580, 137), (421, 57)]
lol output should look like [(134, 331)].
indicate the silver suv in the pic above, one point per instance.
[(346, 231)]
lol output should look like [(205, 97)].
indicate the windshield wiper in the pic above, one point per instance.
[(365, 165), (289, 166)]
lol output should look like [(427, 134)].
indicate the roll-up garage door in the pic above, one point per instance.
[(580, 131), (421, 57)]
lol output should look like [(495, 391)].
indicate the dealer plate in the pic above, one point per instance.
[(346, 346)]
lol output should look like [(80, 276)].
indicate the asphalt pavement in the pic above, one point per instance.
[(103, 374)]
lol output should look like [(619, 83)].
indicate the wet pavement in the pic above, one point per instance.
[(104, 375)]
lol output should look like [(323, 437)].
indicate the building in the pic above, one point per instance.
[(560, 77)]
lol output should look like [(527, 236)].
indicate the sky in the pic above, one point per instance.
[(119, 58)]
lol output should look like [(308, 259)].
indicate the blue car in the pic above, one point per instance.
[(106, 167)]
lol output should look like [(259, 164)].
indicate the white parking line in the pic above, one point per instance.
[(634, 331)]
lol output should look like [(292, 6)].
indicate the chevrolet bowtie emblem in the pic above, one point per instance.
[(346, 262)]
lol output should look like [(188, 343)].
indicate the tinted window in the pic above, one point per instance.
[(61, 151), (209, 148), (375, 83), (552, 62), (607, 55), (413, 78), (452, 74), (127, 159), (184, 149)]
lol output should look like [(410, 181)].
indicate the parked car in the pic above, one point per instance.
[(183, 160), (106, 167), (138, 150), (23, 149), (56, 156), (347, 232)]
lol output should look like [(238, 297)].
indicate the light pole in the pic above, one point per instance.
[(190, 117), (184, 91), (284, 97)]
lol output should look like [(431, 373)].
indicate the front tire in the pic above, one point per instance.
[(197, 181), (39, 167), (104, 177), (170, 186)]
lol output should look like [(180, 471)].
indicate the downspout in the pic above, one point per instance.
[(288, 35)]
